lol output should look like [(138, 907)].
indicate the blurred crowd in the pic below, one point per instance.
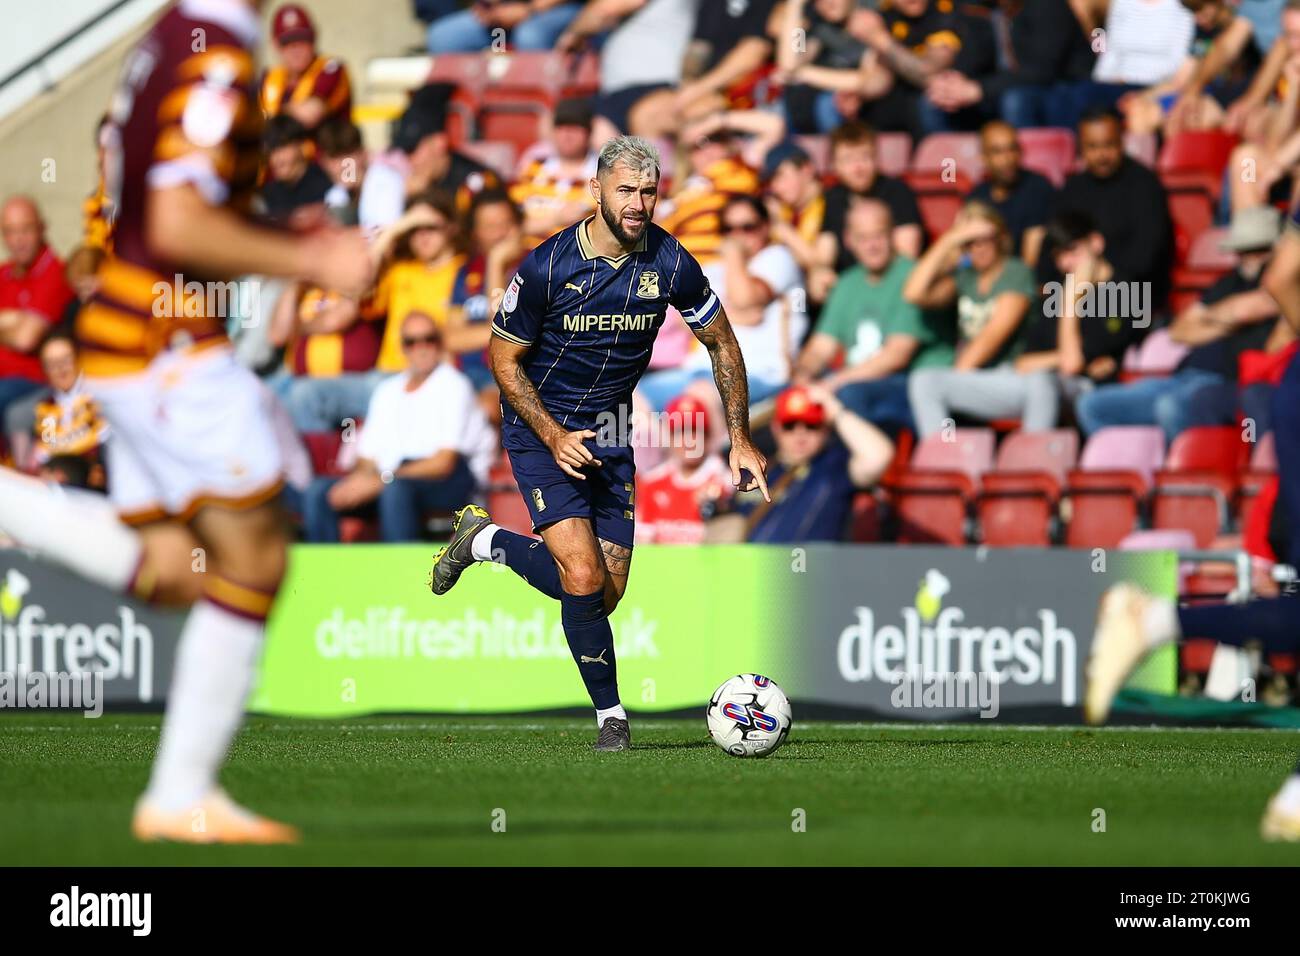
[(853, 308)]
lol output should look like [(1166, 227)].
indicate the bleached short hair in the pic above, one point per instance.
[(638, 153)]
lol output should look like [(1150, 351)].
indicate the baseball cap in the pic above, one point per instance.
[(780, 153), (686, 408), (796, 405), (573, 112), (291, 23)]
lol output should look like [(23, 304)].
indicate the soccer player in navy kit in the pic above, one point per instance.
[(1131, 622), (570, 341)]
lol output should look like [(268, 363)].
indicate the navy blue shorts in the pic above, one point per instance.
[(605, 498)]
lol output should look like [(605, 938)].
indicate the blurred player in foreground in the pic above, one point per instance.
[(1131, 623), (570, 341), (194, 466)]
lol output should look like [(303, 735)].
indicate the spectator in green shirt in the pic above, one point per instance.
[(882, 335), (971, 266)]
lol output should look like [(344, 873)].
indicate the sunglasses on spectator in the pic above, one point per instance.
[(730, 227), (409, 342), (791, 426), (430, 227)]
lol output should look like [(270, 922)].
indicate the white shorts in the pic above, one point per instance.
[(192, 429)]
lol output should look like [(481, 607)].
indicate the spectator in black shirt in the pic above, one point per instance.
[(853, 159), (945, 108), (1044, 66), (1089, 320), (1234, 315), (915, 40), (827, 77), (1022, 197), (1127, 201), (295, 188)]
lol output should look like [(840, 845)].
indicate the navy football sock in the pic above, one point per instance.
[(530, 559), (1274, 623), (586, 626)]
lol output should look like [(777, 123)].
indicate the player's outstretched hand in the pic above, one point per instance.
[(340, 259), (745, 456), (571, 454)]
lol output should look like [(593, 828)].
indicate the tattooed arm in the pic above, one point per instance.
[(733, 388), (567, 447)]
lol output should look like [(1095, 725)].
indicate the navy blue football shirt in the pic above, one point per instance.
[(590, 322)]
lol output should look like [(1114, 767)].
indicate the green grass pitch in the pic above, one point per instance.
[(425, 791)]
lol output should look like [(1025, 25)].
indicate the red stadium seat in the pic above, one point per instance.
[(939, 197), (1192, 210), (951, 153), (1206, 263), (508, 509), (323, 447), (1198, 484), (1017, 505), (864, 522), (1143, 147), (818, 149), (932, 499), (1048, 151), (1104, 497), (893, 153), (1201, 150)]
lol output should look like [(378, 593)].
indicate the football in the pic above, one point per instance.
[(749, 716)]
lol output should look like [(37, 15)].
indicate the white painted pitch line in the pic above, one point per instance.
[(308, 724)]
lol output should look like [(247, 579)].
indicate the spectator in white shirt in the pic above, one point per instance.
[(425, 446), (1146, 41), (761, 287)]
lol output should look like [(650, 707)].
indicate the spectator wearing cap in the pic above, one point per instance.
[(1126, 200), (882, 336), (33, 297), (1234, 315), (692, 214), (554, 189), (825, 453), (675, 498), (422, 159), (304, 84), (796, 204), (641, 55), (425, 446), (296, 187), (856, 165), (761, 287), (529, 25), (971, 266), (1021, 196), (342, 154)]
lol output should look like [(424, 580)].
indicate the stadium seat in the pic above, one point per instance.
[(1191, 207), (953, 153), (1201, 150), (1017, 503), (1144, 147), (1156, 356), (323, 447), (818, 149), (939, 197), (931, 500), (1261, 472), (520, 91), (1198, 484), (508, 509), (893, 153), (1049, 151), (1205, 264), (1105, 496), (865, 518)]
